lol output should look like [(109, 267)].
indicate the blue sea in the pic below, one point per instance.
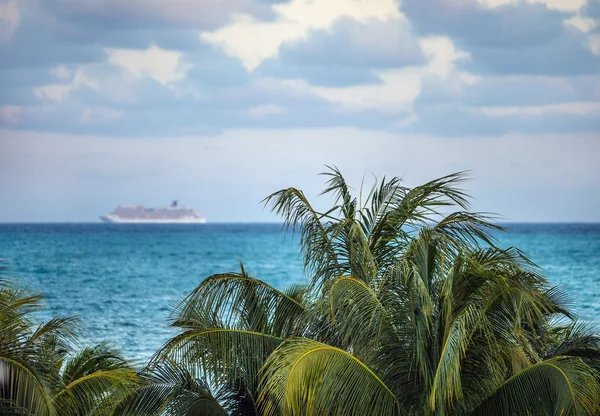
[(123, 280)]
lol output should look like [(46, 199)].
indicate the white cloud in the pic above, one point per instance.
[(442, 55), (583, 24), (469, 78), (262, 111), (61, 72), (573, 108), (58, 92), (10, 19), (396, 93), (11, 114), (162, 65), (594, 44), (562, 5), (252, 41), (399, 88)]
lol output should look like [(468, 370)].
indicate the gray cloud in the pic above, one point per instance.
[(327, 76), (346, 54), (200, 14), (469, 23), (517, 38), (521, 90), (592, 9), (452, 121), (348, 43)]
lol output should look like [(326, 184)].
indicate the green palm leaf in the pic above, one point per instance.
[(559, 386), (170, 388), (223, 355), (236, 300), (305, 377)]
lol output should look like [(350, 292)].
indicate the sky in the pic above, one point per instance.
[(219, 103)]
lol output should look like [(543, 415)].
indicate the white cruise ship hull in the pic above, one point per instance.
[(114, 220)]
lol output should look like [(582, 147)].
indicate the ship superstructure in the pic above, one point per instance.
[(174, 214)]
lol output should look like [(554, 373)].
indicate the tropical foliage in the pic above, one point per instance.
[(410, 309), (41, 372)]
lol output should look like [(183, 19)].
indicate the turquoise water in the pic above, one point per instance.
[(122, 280)]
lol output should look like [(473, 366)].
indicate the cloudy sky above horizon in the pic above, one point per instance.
[(220, 102)]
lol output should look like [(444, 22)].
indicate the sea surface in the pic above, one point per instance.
[(123, 280)]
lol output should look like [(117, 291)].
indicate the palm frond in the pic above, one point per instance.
[(320, 259), (345, 203), (238, 301), (223, 355), (360, 318), (307, 377), (559, 386), (21, 388), (171, 389)]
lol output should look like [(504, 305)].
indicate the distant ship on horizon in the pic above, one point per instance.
[(174, 214)]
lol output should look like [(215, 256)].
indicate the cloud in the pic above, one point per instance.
[(58, 92), (349, 43), (439, 67), (562, 5), (10, 18), (594, 43), (399, 88), (512, 38), (253, 40), (583, 24), (261, 111), (200, 14), (531, 90), (395, 92), (577, 108), (163, 66)]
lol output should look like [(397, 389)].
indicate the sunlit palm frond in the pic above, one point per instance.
[(305, 377), (558, 386)]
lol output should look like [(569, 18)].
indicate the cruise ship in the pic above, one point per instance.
[(174, 214)]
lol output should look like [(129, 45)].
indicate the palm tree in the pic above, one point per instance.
[(410, 310), (41, 373)]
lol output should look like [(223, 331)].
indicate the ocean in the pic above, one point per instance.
[(123, 280)]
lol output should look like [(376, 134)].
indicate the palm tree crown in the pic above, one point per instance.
[(411, 309)]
